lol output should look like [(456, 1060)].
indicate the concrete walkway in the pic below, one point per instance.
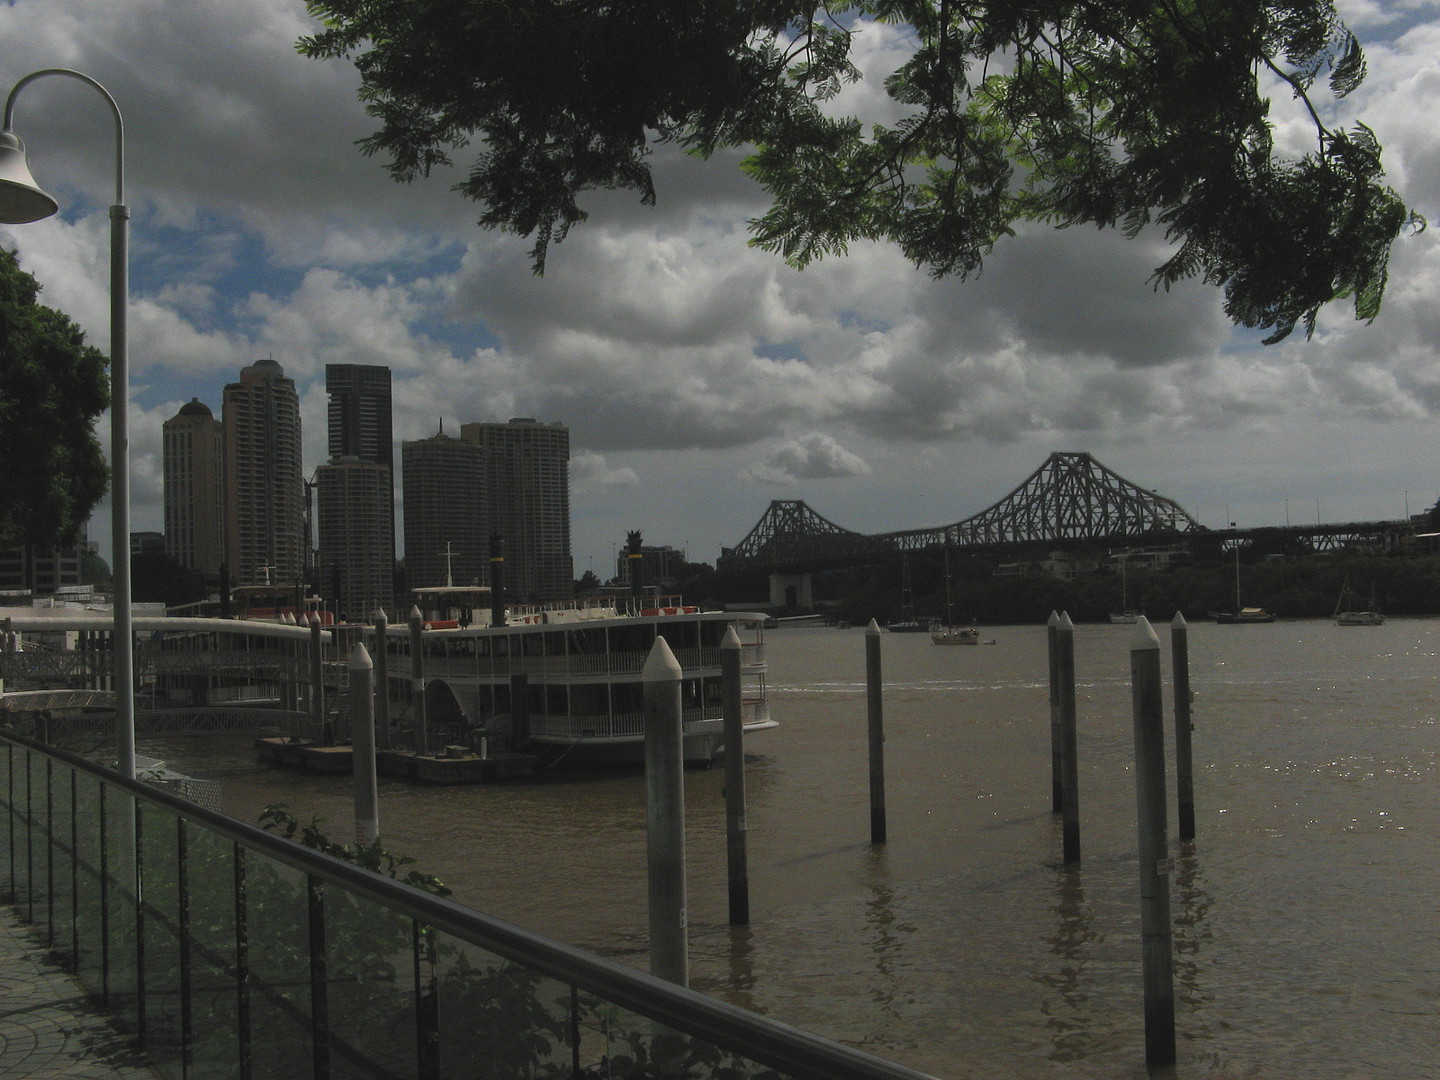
[(48, 1027)]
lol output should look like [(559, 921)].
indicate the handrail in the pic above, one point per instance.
[(776, 1045)]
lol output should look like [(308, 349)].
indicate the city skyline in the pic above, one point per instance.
[(701, 378)]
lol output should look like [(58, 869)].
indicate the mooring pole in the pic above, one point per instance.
[(417, 681), (665, 815), (1052, 632), (875, 714), (1155, 863), (382, 680), (1069, 741), (362, 745), (733, 711), (1184, 762), (317, 684)]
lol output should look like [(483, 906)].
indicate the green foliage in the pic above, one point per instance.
[(277, 818), (1064, 111), (52, 388)]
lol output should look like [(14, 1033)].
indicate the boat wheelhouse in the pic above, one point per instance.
[(568, 678)]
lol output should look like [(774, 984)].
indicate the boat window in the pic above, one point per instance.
[(588, 699), (682, 635), (714, 690), (712, 633), (534, 644), (555, 700), (628, 697)]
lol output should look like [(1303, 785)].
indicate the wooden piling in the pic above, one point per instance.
[(1069, 741), (362, 745), (1155, 863), (1184, 761), (1052, 630), (875, 714), (732, 709), (417, 681), (665, 815), (381, 661)]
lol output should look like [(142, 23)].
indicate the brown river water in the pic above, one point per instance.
[(1306, 913)]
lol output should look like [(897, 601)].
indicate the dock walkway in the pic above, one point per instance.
[(49, 1027)]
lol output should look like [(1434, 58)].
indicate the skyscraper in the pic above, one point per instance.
[(355, 563), (443, 480), (360, 427), (527, 473), (359, 413), (194, 467), (265, 501)]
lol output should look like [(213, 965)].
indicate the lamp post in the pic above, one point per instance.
[(21, 201)]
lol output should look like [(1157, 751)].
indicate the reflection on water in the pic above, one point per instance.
[(1067, 1017), (1305, 928)]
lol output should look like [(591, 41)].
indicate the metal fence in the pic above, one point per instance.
[(229, 951)]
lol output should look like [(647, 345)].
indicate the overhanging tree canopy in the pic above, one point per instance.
[(52, 388), (1116, 113)]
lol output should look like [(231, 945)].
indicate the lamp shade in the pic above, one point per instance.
[(21, 199)]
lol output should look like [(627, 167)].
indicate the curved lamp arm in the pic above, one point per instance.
[(114, 111)]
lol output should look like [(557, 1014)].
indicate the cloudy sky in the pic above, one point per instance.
[(700, 378)]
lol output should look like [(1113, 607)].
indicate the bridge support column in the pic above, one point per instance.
[(792, 591)]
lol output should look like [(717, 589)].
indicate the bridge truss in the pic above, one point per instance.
[(1070, 498)]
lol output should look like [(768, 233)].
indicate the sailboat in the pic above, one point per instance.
[(1127, 615), (907, 623), (1241, 614), (946, 633), (1356, 618)]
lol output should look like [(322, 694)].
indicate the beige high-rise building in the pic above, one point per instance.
[(194, 467), (527, 501), (354, 513), (265, 489)]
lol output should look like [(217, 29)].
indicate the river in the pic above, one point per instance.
[(1306, 918)]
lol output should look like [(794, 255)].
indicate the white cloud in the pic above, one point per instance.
[(815, 456)]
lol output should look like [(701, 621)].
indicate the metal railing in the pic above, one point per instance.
[(229, 951)]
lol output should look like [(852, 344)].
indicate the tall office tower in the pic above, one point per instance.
[(355, 564), (359, 418), (265, 489), (194, 465), (527, 471), (443, 480)]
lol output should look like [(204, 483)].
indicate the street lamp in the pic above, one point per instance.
[(21, 201)]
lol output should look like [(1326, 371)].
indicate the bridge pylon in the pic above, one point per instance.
[(793, 591)]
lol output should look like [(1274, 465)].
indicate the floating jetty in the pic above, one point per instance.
[(457, 765)]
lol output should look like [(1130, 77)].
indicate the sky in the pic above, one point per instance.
[(700, 377)]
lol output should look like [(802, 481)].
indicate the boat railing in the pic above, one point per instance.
[(632, 724), (231, 951), (574, 665)]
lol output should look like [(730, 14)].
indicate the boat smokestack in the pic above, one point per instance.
[(637, 562), (497, 580)]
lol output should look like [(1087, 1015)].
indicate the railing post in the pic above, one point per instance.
[(875, 716), (1155, 933), (733, 710), (319, 979), (665, 815), (243, 1044)]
